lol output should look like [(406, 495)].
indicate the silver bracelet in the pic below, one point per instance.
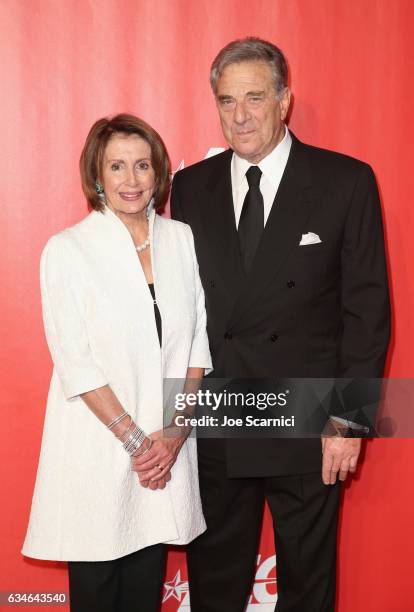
[(122, 436), (117, 420), (144, 451), (134, 441)]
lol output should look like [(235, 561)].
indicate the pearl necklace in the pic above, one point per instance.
[(143, 246)]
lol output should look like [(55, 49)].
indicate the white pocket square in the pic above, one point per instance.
[(309, 238)]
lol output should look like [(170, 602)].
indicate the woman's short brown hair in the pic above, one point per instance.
[(93, 152)]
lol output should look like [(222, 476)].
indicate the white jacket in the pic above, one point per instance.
[(100, 327)]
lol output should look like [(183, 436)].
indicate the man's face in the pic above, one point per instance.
[(251, 112)]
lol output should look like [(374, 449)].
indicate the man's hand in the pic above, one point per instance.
[(340, 454), (154, 467)]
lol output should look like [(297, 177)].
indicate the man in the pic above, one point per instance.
[(290, 247)]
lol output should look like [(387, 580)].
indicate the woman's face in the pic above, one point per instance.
[(128, 177)]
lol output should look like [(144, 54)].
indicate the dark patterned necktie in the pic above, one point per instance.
[(251, 222)]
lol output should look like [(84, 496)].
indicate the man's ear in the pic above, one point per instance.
[(284, 102)]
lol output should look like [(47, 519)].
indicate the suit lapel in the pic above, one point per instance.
[(291, 209), (220, 227)]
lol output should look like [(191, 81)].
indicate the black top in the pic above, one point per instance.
[(156, 312)]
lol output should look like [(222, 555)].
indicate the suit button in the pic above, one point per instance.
[(212, 284), (228, 335), (290, 284), (273, 337)]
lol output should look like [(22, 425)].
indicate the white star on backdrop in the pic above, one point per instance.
[(175, 588)]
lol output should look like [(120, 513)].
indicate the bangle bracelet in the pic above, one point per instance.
[(144, 451), (122, 437), (134, 441), (117, 420)]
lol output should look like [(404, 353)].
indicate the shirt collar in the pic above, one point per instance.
[(276, 159)]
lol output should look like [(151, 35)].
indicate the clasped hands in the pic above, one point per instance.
[(154, 467)]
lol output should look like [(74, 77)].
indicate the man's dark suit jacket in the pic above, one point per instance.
[(302, 311)]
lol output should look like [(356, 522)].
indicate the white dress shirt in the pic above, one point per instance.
[(272, 167)]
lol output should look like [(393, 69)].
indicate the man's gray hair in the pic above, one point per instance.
[(248, 50)]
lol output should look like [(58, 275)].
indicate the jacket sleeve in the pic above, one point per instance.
[(64, 305), (200, 352), (365, 298), (365, 306)]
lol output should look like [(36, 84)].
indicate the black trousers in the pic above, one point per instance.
[(130, 584), (221, 562)]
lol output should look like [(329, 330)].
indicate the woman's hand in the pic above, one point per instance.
[(154, 467), (155, 484)]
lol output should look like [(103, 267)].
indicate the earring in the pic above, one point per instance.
[(99, 188), (100, 191)]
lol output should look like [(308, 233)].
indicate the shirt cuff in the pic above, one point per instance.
[(350, 424)]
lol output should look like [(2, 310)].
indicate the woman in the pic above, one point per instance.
[(123, 309)]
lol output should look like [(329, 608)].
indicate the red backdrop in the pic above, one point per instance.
[(67, 62)]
